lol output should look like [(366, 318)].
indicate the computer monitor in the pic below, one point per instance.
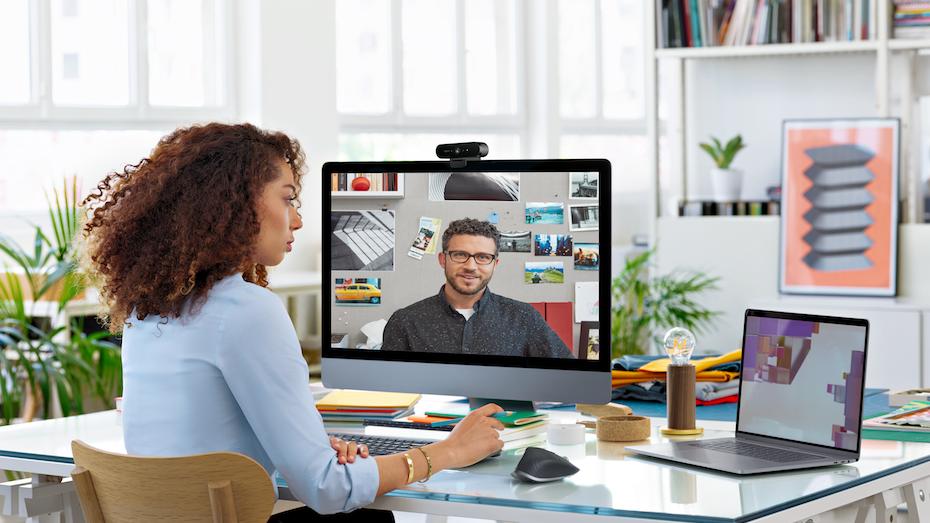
[(399, 306)]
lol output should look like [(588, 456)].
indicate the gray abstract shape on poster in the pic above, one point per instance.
[(838, 220), (838, 199)]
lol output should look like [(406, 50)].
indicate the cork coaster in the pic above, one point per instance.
[(623, 428)]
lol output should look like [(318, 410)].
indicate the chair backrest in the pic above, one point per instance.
[(224, 487)]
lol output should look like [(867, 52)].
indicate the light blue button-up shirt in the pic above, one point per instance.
[(230, 377)]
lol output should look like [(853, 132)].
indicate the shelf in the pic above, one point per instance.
[(368, 194), (813, 48), (906, 44)]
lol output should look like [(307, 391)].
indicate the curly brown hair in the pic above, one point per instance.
[(163, 231)]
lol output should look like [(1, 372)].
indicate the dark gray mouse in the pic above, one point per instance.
[(540, 465)]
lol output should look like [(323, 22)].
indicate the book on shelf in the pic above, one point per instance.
[(709, 23), (911, 19), (377, 182), (740, 208)]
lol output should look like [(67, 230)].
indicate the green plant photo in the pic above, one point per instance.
[(644, 306), (723, 155)]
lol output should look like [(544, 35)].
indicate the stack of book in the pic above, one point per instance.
[(742, 208), (707, 23), (913, 417), (911, 19), (354, 406)]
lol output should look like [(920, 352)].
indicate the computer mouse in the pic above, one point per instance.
[(540, 465)]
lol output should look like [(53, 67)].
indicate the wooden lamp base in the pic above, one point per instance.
[(680, 401)]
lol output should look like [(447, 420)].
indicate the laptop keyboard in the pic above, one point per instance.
[(763, 452), (383, 445)]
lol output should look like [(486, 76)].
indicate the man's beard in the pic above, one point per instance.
[(450, 279)]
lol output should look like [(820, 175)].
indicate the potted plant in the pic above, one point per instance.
[(727, 181), (41, 362), (644, 307)]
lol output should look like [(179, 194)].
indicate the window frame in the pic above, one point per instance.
[(42, 113), (528, 27), (395, 121)]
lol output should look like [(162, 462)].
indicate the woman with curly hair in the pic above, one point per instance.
[(178, 246)]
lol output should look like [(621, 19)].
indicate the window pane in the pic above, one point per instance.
[(184, 65), (14, 52), (398, 147), (33, 161), (490, 51), (429, 57), (577, 47), (90, 56), (630, 185), (363, 56), (622, 51)]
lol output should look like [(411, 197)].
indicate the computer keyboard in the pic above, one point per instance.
[(382, 445), (752, 450)]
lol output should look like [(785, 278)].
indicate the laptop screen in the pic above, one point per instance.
[(802, 378)]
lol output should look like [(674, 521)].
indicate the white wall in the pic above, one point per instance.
[(751, 96), (743, 252)]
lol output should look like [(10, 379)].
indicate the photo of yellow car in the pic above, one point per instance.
[(358, 292)]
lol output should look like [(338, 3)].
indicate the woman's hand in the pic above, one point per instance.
[(347, 450), (475, 437)]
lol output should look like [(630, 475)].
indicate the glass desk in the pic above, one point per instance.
[(612, 485)]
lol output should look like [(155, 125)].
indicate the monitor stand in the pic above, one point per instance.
[(514, 405)]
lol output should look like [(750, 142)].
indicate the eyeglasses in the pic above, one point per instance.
[(481, 258)]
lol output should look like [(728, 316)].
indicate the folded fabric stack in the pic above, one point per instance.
[(641, 377)]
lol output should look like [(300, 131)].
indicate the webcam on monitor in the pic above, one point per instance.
[(462, 151)]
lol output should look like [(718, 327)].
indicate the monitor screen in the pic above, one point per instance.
[(802, 379), (494, 264)]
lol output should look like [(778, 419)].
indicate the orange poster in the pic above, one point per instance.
[(839, 207)]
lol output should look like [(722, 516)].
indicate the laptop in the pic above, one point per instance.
[(800, 398)]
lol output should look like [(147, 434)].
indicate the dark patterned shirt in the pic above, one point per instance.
[(499, 326)]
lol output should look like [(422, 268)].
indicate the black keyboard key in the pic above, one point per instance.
[(763, 452)]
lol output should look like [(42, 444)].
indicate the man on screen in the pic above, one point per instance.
[(465, 316)]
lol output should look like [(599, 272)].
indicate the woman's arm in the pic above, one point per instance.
[(473, 439)]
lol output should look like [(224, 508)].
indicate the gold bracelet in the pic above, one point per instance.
[(409, 461), (429, 465)]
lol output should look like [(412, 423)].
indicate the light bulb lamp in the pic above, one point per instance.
[(680, 380)]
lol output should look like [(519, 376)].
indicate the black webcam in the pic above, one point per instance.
[(462, 151)]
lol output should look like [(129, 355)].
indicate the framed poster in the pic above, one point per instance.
[(839, 213)]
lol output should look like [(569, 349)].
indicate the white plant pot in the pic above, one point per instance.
[(728, 184)]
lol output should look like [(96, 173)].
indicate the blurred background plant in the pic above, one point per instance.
[(644, 307), (49, 365)]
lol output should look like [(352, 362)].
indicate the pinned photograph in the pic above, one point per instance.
[(426, 239), (545, 213), (587, 301), (357, 291), (498, 187), (587, 257), (515, 241), (552, 245), (582, 186), (544, 272), (362, 240), (589, 341), (583, 217)]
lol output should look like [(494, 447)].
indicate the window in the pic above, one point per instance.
[(159, 64), (415, 73), (157, 60)]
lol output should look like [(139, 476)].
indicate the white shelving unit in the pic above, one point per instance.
[(373, 195), (883, 47)]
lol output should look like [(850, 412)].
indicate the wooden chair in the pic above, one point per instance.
[(223, 487)]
